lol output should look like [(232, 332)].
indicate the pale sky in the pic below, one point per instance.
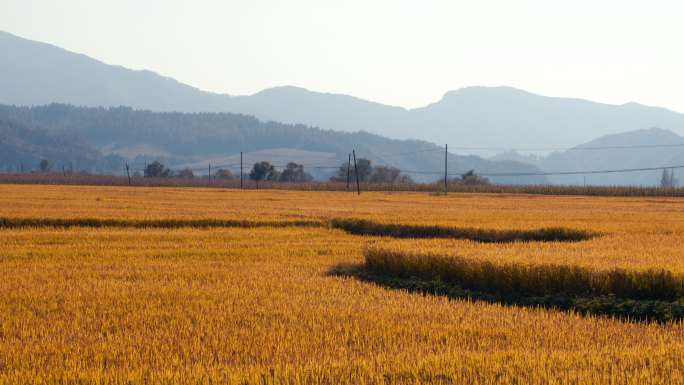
[(406, 53)]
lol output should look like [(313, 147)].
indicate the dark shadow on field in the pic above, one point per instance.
[(395, 230), (350, 226), (605, 305)]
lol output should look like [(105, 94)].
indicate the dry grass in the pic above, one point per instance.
[(435, 188), (256, 305)]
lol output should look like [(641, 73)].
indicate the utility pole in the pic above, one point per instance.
[(348, 171), (356, 171), (209, 173), (63, 170), (128, 172), (446, 186), (240, 170)]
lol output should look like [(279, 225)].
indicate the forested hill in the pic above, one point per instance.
[(192, 137), (23, 147)]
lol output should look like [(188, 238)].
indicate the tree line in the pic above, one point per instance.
[(264, 171)]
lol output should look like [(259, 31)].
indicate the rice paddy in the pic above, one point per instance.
[(164, 285)]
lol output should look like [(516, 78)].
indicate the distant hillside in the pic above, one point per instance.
[(199, 138), (23, 147), (33, 73), (588, 157)]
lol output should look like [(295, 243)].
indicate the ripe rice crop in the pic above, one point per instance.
[(186, 303), (529, 279)]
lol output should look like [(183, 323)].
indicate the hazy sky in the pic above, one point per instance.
[(406, 53)]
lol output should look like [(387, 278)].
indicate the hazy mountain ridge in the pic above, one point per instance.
[(38, 73), (645, 148), (35, 73), (586, 158), (196, 138)]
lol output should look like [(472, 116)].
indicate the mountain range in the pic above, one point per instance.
[(646, 148), (35, 73), (191, 126)]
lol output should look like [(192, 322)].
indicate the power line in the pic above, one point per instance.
[(550, 173), (613, 171), (575, 148), (491, 174), (408, 152)]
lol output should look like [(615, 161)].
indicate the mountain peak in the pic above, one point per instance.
[(286, 89), (485, 91)]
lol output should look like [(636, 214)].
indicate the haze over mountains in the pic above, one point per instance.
[(181, 139), (38, 73), (656, 148), (34, 73)]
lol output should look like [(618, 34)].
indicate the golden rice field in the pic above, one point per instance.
[(252, 300)]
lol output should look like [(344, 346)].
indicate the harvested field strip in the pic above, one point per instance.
[(527, 279), (551, 234), (150, 223)]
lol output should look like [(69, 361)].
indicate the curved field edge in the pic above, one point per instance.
[(526, 279), (549, 234), (603, 305), (150, 223), (351, 226)]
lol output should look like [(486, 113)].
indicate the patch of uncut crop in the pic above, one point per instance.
[(527, 279)]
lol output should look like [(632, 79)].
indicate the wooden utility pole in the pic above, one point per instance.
[(128, 172), (240, 170), (446, 185), (348, 171), (209, 173), (356, 171)]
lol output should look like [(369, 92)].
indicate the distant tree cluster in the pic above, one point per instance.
[(223, 174), (261, 171), (45, 165), (265, 171), (471, 178), (371, 174), (668, 180), (157, 170)]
